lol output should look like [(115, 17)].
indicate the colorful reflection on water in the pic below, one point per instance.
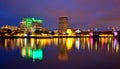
[(33, 48)]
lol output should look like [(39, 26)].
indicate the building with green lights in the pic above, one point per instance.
[(30, 24)]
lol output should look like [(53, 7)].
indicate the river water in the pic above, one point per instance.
[(60, 53)]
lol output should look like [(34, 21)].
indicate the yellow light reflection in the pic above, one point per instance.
[(55, 40), (6, 43), (23, 52), (45, 42), (32, 40), (117, 48), (84, 41), (108, 44), (17, 43), (96, 46), (103, 41), (32, 35), (69, 43)]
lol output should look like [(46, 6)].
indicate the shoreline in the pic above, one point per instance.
[(57, 36)]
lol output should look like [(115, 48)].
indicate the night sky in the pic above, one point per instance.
[(82, 13)]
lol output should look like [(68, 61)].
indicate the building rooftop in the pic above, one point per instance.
[(30, 20)]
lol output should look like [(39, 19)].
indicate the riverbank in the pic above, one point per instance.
[(60, 36)]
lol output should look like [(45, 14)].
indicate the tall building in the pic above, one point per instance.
[(63, 24), (30, 24)]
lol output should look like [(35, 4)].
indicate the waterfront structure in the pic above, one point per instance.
[(30, 24), (63, 24), (12, 28)]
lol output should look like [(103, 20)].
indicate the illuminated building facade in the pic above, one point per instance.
[(28, 24), (12, 28), (63, 24)]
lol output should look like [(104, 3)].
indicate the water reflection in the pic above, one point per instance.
[(33, 48), (62, 56), (28, 52)]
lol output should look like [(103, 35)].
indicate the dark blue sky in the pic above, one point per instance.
[(81, 13)]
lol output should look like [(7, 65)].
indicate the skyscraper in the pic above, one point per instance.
[(63, 24), (28, 24)]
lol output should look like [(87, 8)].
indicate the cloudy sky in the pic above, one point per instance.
[(82, 13)]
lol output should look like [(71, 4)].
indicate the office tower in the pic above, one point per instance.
[(63, 24), (28, 24)]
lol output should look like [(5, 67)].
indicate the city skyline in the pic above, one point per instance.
[(59, 34), (82, 14), (63, 25)]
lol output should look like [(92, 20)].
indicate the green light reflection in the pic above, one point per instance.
[(32, 53)]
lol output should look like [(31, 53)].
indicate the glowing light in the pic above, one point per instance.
[(115, 43), (91, 34), (28, 21), (18, 42), (38, 54), (35, 20), (111, 35), (115, 33), (91, 43), (78, 31), (32, 53), (32, 35), (63, 57), (55, 41), (117, 48), (96, 46), (23, 52), (45, 42), (6, 43), (25, 41), (88, 43), (26, 52), (103, 42), (29, 51), (108, 44), (77, 43), (69, 31), (69, 43), (83, 46), (25, 35), (32, 40)]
